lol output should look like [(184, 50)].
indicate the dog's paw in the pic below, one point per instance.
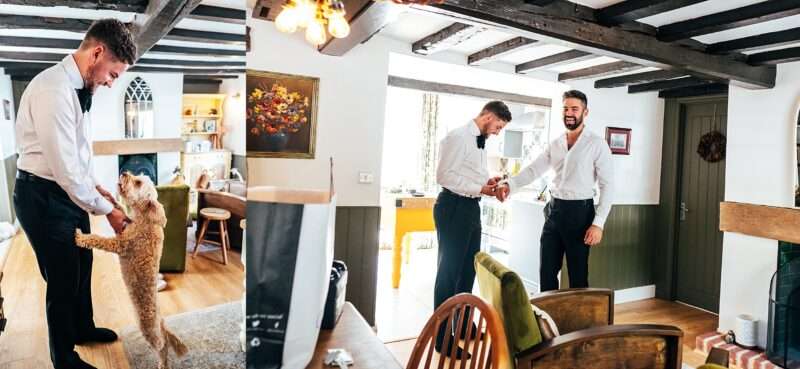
[(79, 238)]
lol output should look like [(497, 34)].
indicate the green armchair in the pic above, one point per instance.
[(175, 199), (584, 318)]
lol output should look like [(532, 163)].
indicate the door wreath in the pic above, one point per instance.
[(712, 146)]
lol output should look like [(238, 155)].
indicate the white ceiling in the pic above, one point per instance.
[(414, 25)]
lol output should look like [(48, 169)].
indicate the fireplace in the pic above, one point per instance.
[(138, 164), (783, 335)]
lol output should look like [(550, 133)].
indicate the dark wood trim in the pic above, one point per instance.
[(218, 14), (56, 57), (128, 6), (63, 43), (201, 81), (643, 77), (159, 19), (632, 10), (13, 21), (571, 56), (196, 51), (775, 56), (466, 91), (181, 34), (366, 18), (771, 39), (24, 55), (666, 84), (734, 18), (540, 2), (568, 29), (699, 90), (267, 9), (445, 38), (187, 71), (598, 71), (577, 292), (497, 51)]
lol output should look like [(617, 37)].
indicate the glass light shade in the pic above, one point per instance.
[(315, 33), (287, 21), (338, 26), (306, 12)]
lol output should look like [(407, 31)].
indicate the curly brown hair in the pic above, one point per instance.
[(116, 36)]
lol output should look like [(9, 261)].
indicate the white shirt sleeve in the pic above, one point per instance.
[(536, 169), (55, 128), (604, 170), (451, 151)]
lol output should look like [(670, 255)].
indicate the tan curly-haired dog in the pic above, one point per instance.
[(139, 249)]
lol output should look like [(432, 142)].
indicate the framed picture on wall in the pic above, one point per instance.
[(619, 140), (7, 109), (281, 118)]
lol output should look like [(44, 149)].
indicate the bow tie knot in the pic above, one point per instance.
[(481, 140), (85, 98)]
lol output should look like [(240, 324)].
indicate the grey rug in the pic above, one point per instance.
[(211, 334)]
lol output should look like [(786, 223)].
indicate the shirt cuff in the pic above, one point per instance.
[(104, 207), (599, 221), (475, 191)]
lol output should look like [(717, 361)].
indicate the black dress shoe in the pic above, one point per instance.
[(473, 333), (73, 361), (460, 353), (97, 335)]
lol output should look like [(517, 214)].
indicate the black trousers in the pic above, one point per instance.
[(566, 222), (49, 219), (458, 230)]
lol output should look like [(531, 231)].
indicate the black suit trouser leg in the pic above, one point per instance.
[(565, 227)]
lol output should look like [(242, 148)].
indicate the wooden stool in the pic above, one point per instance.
[(222, 216)]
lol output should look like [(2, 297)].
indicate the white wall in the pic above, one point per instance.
[(760, 170), (234, 109), (107, 115), (7, 147)]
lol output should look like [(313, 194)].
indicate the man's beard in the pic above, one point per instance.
[(573, 126), (89, 83)]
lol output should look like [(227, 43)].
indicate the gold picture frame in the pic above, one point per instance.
[(286, 129)]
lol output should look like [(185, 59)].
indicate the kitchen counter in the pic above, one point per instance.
[(527, 220)]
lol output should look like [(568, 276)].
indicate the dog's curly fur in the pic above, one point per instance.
[(139, 248)]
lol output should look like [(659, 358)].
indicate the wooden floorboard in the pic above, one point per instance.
[(206, 282), (691, 321)]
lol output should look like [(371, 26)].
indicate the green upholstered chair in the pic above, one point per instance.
[(175, 199), (584, 318)]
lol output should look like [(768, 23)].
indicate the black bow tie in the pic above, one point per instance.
[(481, 141), (85, 97)]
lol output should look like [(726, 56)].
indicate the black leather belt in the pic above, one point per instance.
[(573, 202), (451, 193), (30, 177)]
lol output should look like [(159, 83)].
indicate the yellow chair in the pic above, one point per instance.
[(413, 214)]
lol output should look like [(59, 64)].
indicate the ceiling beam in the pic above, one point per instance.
[(128, 6), (566, 57), (500, 50), (70, 44), (20, 68), (217, 14), (366, 18), (729, 19), (158, 20), (445, 38), (540, 2), (698, 90), (444, 88), (514, 16), (268, 10), (56, 57), (666, 84), (13, 21), (598, 71), (181, 34), (788, 55), (771, 39), (643, 77), (196, 51), (632, 10)]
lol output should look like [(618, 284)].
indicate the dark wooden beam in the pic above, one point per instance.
[(268, 10), (8, 21), (32, 56), (666, 84), (158, 20), (631, 10), (192, 63), (734, 18), (366, 18), (771, 39), (467, 91), (128, 6), (644, 77), (187, 71), (218, 14), (498, 51), (181, 34), (196, 51), (788, 55), (598, 71), (520, 19), (565, 57), (445, 38), (59, 43), (201, 81), (692, 91), (540, 2)]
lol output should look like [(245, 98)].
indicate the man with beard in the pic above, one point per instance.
[(580, 158), (55, 186)]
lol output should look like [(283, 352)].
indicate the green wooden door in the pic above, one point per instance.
[(702, 188)]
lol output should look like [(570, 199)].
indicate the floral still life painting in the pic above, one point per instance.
[(281, 115)]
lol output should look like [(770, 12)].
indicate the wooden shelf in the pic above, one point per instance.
[(201, 116), (763, 221), (199, 133)]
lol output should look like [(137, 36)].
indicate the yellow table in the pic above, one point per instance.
[(412, 214)]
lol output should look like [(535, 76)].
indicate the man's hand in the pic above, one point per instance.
[(593, 235), (488, 190), (493, 181), (502, 192), (107, 195), (118, 220)]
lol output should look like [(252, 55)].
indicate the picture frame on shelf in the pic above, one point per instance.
[(210, 125), (619, 140), (281, 115)]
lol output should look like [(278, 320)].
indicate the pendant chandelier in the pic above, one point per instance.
[(314, 15)]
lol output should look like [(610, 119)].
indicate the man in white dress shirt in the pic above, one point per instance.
[(463, 174), (55, 185), (580, 159)]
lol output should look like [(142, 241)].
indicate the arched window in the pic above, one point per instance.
[(138, 110)]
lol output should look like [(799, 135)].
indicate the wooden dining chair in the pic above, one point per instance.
[(484, 344)]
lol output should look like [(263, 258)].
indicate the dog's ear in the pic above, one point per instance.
[(156, 212)]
